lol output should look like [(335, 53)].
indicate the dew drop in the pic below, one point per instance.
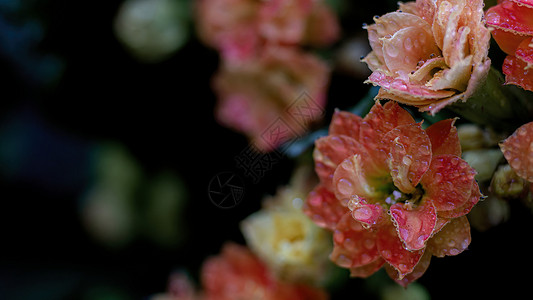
[(408, 44), (406, 161), (349, 244), (343, 261), (338, 236), (386, 254), (454, 251), (451, 243), (365, 258), (362, 214), (345, 187), (403, 267), (392, 51), (369, 244)]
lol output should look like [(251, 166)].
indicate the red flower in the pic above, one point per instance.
[(237, 274), (518, 150), (512, 23), (393, 193)]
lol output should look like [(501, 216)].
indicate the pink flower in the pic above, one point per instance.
[(237, 274), (429, 53), (240, 28), (393, 193), (512, 24), (256, 98)]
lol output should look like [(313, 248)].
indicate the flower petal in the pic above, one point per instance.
[(448, 182), (379, 121), (409, 155), (368, 269), (345, 123), (444, 138), (354, 246), (330, 151), (525, 52), (391, 248), (516, 73), (368, 214), (351, 180), (415, 225), (453, 239), (510, 17), (518, 150), (407, 47), (507, 41), (475, 196), (323, 207), (417, 272), (388, 25)]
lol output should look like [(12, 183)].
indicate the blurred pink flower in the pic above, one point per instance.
[(256, 98), (430, 53), (240, 28)]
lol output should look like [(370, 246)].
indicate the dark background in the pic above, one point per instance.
[(163, 114)]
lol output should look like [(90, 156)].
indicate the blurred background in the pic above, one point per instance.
[(108, 144)]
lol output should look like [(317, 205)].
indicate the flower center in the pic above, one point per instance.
[(411, 199)]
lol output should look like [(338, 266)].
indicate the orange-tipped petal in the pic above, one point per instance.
[(368, 269), (444, 138), (354, 246), (330, 151), (453, 239), (475, 196), (448, 182), (518, 150), (409, 155), (415, 225), (391, 248), (517, 73), (323, 207), (507, 41), (528, 3), (417, 272), (345, 123)]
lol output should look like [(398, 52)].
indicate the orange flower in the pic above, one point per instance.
[(393, 193), (240, 28), (252, 96), (429, 53), (512, 24)]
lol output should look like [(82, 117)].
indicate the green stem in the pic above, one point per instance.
[(502, 107)]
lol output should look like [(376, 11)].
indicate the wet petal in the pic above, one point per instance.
[(518, 150), (406, 48), (456, 77), (448, 182), (464, 209), (388, 25), (525, 52), (415, 225), (444, 138), (345, 123), (409, 155), (511, 17), (380, 120), (368, 269), (330, 151), (516, 73), (354, 246), (366, 213), (323, 207), (351, 180), (391, 248), (453, 239), (417, 272)]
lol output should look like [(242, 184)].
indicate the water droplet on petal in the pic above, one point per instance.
[(343, 261), (345, 187)]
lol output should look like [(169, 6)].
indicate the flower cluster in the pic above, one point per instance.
[(237, 274), (429, 53), (393, 193), (512, 28), (263, 68)]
